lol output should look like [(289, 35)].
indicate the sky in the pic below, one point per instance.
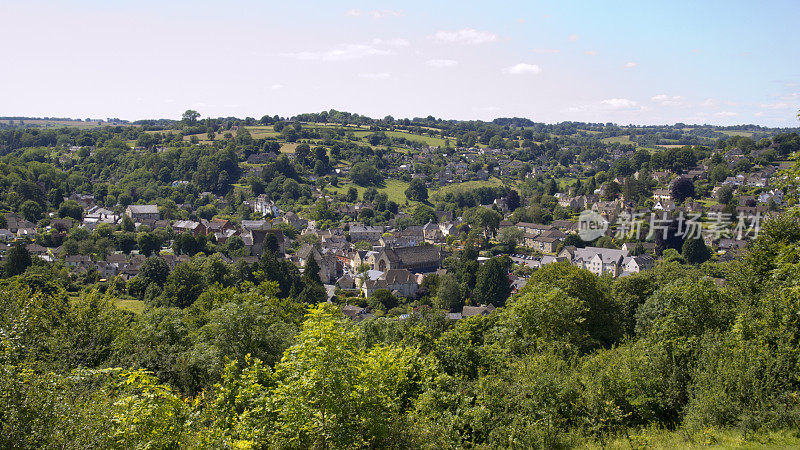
[(627, 62)]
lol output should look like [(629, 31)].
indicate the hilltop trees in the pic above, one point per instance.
[(190, 117)]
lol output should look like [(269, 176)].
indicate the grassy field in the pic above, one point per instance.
[(429, 140), (465, 186), (565, 182), (134, 306), (620, 139), (706, 438), (394, 189), (127, 304), (737, 133), (289, 147), (261, 132)]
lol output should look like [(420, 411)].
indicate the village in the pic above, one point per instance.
[(357, 259)]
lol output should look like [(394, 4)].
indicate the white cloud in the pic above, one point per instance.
[(774, 105), (522, 68), (619, 104), (759, 114), (386, 13), (708, 103), (342, 53), (668, 100), (572, 37), (441, 63), (276, 87), (355, 12), (466, 36), (546, 50), (375, 76), (726, 114), (590, 53), (630, 65)]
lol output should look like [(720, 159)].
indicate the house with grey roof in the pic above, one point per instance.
[(400, 282), (142, 213), (424, 258), (599, 261), (636, 264)]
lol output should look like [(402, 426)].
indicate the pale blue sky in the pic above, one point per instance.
[(643, 62)]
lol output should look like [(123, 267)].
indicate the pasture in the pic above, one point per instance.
[(394, 189)]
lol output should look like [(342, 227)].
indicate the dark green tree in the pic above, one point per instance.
[(423, 214), (183, 285), (271, 243), (448, 293), (417, 190), (681, 189), (71, 209), (383, 299), (31, 210), (154, 270), (311, 270), (148, 243), (365, 174), (695, 251), (17, 261), (492, 285), (513, 201), (352, 194), (725, 195), (190, 117), (127, 224)]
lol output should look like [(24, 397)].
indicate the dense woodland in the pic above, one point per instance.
[(690, 353), (570, 359)]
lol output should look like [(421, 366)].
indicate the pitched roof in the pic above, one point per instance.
[(482, 310), (143, 209), (394, 276), (415, 255), (255, 224), (607, 255)]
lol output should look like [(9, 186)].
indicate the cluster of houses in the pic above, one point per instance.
[(362, 259)]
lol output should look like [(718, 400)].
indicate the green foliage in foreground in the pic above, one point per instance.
[(677, 357)]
